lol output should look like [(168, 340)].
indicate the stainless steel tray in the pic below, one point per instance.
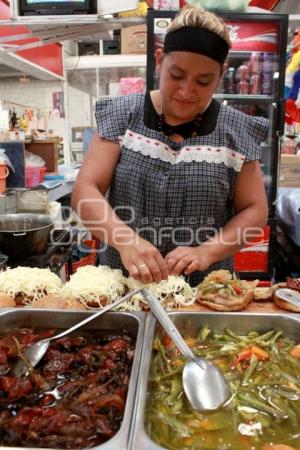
[(190, 322), (132, 322)]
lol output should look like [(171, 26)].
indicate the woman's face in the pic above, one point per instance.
[(187, 83)]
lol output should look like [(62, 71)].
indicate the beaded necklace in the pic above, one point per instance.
[(186, 129)]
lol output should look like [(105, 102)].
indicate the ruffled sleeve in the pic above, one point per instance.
[(243, 133), (112, 117), (255, 132)]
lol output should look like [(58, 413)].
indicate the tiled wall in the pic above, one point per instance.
[(35, 94), (38, 94)]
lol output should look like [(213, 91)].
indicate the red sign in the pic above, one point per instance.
[(265, 4), (47, 56), (254, 257), (254, 36)]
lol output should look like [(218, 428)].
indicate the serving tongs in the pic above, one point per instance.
[(35, 352)]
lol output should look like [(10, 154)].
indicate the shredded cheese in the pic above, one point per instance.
[(30, 282), (95, 286), (174, 292)]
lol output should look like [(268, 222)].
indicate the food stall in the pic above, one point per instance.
[(235, 324), (116, 384)]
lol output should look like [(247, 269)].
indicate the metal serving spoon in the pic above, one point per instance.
[(35, 352), (289, 295), (204, 384)]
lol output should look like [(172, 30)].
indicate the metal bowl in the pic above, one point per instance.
[(24, 234), (117, 321), (189, 323)]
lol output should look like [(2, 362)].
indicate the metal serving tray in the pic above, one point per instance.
[(134, 323), (190, 322)]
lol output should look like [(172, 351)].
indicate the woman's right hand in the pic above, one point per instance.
[(143, 261)]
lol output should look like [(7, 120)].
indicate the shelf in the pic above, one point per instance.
[(27, 67), (51, 29), (104, 61), (241, 54), (245, 97), (74, 19), (294, 17)]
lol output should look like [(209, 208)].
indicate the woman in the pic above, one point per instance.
[(181, 171)]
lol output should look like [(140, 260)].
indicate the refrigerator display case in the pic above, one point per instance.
[(254, 84)]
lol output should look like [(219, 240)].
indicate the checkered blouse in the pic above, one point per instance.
[(175, 194)]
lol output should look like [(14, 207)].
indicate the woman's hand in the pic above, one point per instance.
[(143, 261), (189, 259)]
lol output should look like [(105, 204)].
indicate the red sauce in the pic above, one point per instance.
[(293, 283), (74, 398)]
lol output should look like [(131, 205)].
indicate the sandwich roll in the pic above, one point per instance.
[(222, 291), (54, 301), (278, 298), (6, 301)]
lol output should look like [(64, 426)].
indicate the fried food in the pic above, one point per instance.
[(222, 291), (55, 301), (6, 301)]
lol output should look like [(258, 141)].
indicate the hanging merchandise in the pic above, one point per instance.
[(140, 11), (41, 127), (4, 119), (292, 87), (23, 123), (13, 119)]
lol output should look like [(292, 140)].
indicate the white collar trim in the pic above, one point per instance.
[(189, 153)]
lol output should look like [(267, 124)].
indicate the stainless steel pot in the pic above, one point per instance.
[(117, 321), (23, 235)]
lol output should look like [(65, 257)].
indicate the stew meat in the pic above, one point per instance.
[(74, 398)]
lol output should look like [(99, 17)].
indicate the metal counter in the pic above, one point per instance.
[(189, 323), (133, 323)]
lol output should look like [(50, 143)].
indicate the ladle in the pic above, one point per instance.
[(35, 352), (204, 384)]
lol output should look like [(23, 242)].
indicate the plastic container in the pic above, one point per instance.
[(42, 173), (255, 84), (255, 63), (243, 87), (32, 176), (91, 258), (3, 175), (267, 74), (229, 85), (242, 73)]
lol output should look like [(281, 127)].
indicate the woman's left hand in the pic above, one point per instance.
[(189, 260)]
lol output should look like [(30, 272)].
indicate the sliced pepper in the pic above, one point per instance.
[(246, 354), (295, 351), (237, 289)]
